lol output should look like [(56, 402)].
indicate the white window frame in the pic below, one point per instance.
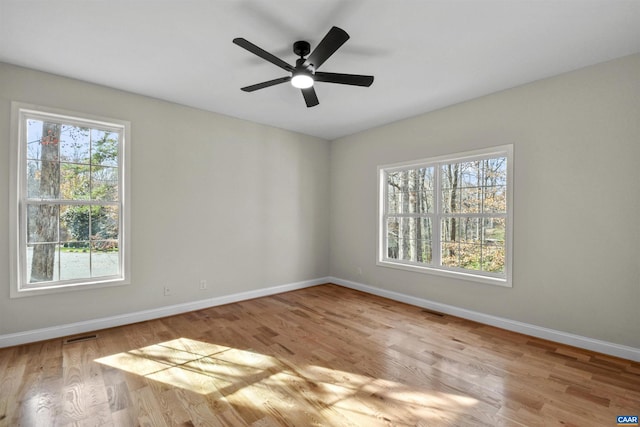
[(18, 193), (435, 268)]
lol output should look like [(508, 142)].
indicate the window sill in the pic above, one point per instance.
[(487, 280), (54, 289)]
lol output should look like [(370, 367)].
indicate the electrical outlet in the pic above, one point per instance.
[(203, 284), (167, 291)]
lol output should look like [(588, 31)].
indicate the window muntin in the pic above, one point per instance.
[(69, 202), (449, 215)]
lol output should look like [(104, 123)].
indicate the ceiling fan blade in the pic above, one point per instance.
[(345, 79), (262, 53), (335, 38), (266, 84), (310, 97)]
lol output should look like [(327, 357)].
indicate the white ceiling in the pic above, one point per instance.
[(424, 55)]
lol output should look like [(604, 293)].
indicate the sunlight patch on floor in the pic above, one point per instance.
[(247, 378), (192, 365)]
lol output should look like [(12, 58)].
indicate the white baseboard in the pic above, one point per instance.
[(9, 340), (625, 352)]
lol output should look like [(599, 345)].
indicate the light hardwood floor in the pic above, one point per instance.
[(322, 356)]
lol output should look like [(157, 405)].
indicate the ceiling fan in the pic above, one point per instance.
[(305, 73)]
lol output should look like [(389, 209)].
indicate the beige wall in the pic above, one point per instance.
[(576, 206), (247, 207), (241, 205)]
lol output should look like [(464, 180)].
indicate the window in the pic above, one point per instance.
[(69, 201), (449, 215)]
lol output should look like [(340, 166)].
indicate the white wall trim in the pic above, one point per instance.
[(625, 352), (52, 332)]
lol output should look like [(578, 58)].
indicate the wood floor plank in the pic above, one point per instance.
[(321, 356)]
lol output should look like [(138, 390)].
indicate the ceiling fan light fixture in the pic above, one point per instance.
[(302, 80), (303, 75)]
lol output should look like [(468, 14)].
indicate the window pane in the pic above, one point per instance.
[(104, 183), (424, 253), (450, 198), (449, 229), (424, 189), (75, 261), (493, 245), (74, 144), (410, 239), (34, 171), (407, 243), (393, 227), (450, 244), (460, 196), (426, 203), (462, 187), (410, 249), (105, 259), (42, 262), (43, 180), (48, 186), (470, 256), (424, 229), (461, 246), (104, 149), (42, 223), (451, 188), (74, 181), (450, 176), (74, 223), (494, 231), (462, 255), (449, 254), (410, 191), (493, 258), (469, 229), (473, 243), (407, 249), (394, 195), (401, 194), (470, 200), (34, 137), (495, 199), (104, 223), (495, 185), (424, 234), (495, 171), (401, 238), (470, 174)]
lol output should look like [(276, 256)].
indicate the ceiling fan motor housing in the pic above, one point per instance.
[(301, 48)]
